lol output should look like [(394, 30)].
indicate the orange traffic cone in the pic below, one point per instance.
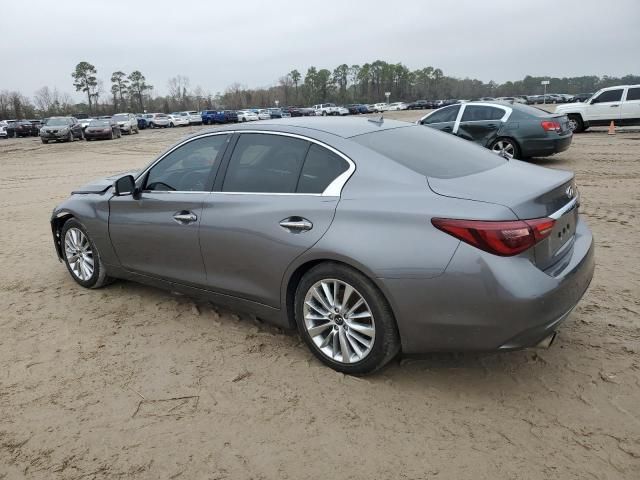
[(612, 128)]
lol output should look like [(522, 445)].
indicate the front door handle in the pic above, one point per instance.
[(296, 224), (614, 106), (184, 217)]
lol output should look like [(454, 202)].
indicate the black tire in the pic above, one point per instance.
[(45, 141), (387, 340), (510, 141), (99, 278), (579, 124), (151, 126), (324, 114)]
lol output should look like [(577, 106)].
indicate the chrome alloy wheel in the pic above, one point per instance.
[(339, 321), (504, 148), (573, 124), (79, 254)]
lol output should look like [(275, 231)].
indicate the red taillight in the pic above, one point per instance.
[(500, 238), (550, 125)]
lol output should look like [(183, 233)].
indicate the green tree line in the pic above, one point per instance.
[(366, 83)]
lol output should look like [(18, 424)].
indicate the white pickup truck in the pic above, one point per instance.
[(326, 109), (620, 104)]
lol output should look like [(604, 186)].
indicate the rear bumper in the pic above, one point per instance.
[(543, 147), (484, 302)]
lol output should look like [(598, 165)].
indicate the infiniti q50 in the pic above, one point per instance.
[(370, 237)]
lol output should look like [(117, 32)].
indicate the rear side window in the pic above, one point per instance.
[(321, 167), (633, 94), (263, 163), (447, 114), (430, 152), (609, 96), (476, 113)]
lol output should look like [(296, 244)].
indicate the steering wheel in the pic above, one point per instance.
[(160, 186)]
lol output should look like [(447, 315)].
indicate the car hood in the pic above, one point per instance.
[(101, 185), (528, 190), (568, 107)]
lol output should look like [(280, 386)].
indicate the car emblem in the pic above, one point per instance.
[(569, 191)]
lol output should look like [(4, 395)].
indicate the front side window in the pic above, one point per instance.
[(476, 113), (263, 163), (321, 167), (447, 114), (187, 168), (609, 96)]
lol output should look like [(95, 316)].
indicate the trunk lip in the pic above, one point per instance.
[(499, 186)]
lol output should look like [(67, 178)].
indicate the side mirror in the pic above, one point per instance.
[(124, 186)]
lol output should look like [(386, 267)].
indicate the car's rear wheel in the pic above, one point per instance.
[(345, 320), (44, 140), (81, 256), (575, 123), (505, 147)]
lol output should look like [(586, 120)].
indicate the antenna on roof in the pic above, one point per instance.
[(379, 120)]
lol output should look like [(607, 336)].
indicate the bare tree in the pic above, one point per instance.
[(43, 99)]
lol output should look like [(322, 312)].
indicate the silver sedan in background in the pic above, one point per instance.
[(369, 237)]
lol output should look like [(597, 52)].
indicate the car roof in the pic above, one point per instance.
[(344, 127)]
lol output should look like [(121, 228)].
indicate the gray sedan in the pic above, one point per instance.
[(369, 237)]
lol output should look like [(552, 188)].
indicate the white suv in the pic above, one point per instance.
[(620, 104), (326, 109), (127, 122)]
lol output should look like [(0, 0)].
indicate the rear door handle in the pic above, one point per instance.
[(185, 216), (296, 224), (614, 106)]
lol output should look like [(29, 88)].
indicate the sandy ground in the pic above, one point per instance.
[(133, 382)]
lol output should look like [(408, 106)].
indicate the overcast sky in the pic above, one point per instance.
[(216, 43)]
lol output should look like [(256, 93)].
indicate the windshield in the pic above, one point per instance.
[(120, 118), (99, 123), (430, 152), (57, 122)]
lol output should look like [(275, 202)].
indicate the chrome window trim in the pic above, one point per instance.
[(334, 189), (159, 159), (507, 113)]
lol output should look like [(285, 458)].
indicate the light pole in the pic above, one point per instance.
[(544, 97)]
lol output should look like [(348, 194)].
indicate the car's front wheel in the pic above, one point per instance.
[(345, 320), (81, 256)]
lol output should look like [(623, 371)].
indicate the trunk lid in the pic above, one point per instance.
[(527, 190)]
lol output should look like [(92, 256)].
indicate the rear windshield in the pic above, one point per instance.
[(430, 152)]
